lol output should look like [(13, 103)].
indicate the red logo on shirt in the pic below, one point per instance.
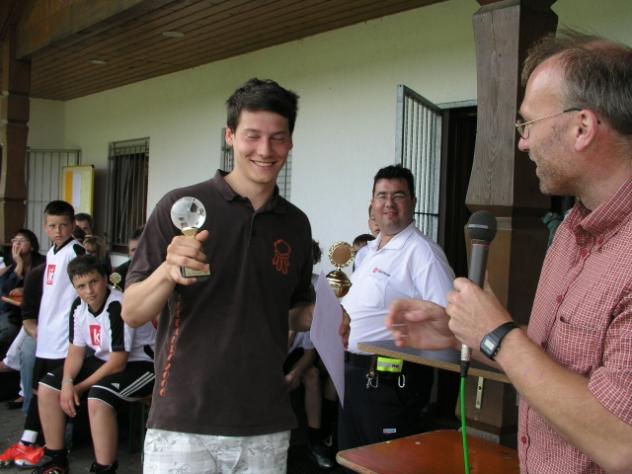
[(50, 273), (95, 334), (281, 259)]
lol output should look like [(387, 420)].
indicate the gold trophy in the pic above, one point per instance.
[(188, 214), (341, 255)]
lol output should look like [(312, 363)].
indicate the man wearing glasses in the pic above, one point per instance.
[(573, 366), (384, 397)]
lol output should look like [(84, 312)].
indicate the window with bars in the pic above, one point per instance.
[(418, 148), (284, 181), (128, 164), (43, 178)]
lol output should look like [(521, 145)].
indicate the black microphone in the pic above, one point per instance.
[(481, 229)]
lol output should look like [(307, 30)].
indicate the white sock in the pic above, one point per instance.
[(29, 437)]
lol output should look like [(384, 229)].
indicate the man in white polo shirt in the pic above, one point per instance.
[(383, 396)]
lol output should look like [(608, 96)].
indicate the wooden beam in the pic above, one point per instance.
[(10, 11), (503, 178), (14, 112)]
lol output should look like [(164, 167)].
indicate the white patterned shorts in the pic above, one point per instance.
[(186, 453)]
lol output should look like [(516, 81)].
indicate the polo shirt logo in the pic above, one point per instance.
[(281, 259), (95, 334), (379, 270)]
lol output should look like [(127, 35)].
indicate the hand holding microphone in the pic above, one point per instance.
[(478, 318), (481, 229)]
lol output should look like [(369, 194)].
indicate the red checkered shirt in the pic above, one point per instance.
[(582, 318)]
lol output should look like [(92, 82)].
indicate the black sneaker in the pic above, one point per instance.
[(111, 469), (320, 455), (52, 466)]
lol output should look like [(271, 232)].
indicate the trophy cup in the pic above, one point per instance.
[(340, 255), (116, 279), (188, 214)]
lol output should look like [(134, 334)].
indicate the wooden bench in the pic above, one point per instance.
[(436, 452)]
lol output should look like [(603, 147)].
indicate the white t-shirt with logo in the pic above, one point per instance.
[(410, 265), (105, 331), (57, 297)]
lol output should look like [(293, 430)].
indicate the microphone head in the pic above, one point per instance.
[(481, 226)]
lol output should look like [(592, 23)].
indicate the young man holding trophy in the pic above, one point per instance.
[(223, 292)]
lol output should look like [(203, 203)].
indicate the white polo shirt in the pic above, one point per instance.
[(359, 256), (410, 265)]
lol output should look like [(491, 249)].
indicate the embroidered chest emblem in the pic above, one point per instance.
[(281, 258)]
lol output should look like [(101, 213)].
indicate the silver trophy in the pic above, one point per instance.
[(188, 214)]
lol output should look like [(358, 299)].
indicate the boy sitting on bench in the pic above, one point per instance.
[(121, 369)]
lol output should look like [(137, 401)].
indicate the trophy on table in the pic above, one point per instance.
[(341, 255), (188, 214)]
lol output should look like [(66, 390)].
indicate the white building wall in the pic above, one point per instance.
[(46, 124), (346, 124)]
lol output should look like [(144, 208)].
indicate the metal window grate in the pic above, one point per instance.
[(43, 178), (128, 164), (418, 147), (284, 180)]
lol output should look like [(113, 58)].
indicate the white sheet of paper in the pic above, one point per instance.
[(324, 334)]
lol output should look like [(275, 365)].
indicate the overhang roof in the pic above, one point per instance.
[(80, 47)]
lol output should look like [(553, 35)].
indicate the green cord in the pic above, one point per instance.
[(466, 460)]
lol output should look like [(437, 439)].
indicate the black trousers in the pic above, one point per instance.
[(388, 411)]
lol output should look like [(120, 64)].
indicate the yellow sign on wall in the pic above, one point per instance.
[(77, 187)]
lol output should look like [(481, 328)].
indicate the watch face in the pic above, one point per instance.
[(491, 342), (488, 345)]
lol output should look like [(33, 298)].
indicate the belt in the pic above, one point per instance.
[(381, 364), (378, 368), (363, 361)]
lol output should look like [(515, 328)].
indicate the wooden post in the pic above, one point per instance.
[(503, 181), (16, 78)]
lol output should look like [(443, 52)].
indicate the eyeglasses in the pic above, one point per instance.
[(523, 130), (383, 197), (17, 240)]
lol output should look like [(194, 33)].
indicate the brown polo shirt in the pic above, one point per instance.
[(221, 342)]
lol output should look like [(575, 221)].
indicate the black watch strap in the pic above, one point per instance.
[(490, 344)]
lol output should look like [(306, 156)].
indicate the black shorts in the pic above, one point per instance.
[(43, 367), (133, 383)]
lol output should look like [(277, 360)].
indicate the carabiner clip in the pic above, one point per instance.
[(401, 381), (372, 380)]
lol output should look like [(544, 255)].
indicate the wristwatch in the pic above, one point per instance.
[(490, 344)]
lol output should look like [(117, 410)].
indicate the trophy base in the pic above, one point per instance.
[(191, 273)]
